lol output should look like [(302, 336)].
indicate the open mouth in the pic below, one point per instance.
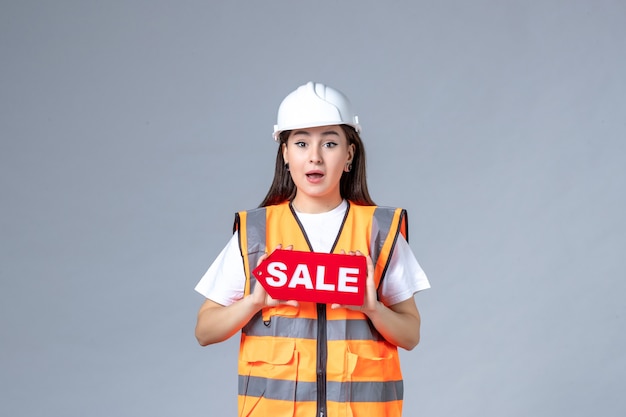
[(314, 175)]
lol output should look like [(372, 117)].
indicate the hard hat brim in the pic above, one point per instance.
[(278, 131)]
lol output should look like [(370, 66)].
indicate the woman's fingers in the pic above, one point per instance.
[(267, 299)]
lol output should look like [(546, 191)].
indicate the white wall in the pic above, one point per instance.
[(132, 131)]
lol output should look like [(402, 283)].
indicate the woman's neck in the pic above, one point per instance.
[(314, 205)]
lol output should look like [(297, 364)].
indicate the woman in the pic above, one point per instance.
[(306, 359)]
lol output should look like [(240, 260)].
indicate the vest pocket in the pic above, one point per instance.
[(267, 374), (368, 361), (373, 370), (279, 310), (360, 378)]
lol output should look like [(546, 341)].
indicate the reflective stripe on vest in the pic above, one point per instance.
[(275, 389), (312, 360)]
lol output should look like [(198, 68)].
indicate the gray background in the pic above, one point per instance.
[(132, 131)]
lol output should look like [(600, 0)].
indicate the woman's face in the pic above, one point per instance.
[(317, 157)]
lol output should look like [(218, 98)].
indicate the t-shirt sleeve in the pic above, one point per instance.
[(225, 279), (404, 278)]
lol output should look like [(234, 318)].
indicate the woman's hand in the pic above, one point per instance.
[(259, 295), (217, 323), (398, 323), (370, 300)]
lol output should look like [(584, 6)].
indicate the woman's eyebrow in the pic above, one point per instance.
[(324, 133), (301, 132)]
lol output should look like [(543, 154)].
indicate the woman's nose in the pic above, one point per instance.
[(315, 155)]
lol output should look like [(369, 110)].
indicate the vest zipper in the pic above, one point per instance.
[(322, 355), (322, 346)]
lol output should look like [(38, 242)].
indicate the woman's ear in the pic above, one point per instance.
[(284, 146), (351, 151)]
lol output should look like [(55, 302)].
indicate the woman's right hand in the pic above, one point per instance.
[(217, 323), (259, 295)]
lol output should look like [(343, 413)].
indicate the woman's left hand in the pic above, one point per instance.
[(398, 323), (370, 301)]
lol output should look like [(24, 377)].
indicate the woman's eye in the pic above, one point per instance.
[(300, 144), (330, 144)]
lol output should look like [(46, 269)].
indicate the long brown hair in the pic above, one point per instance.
[(353, 184)]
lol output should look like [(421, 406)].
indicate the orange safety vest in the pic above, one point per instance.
[(311, 360)]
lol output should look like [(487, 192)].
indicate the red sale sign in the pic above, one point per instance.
[(315, 277)]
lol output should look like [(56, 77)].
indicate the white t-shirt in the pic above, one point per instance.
[(225, 279)]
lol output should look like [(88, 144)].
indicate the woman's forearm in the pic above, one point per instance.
[(399, 324), (217, 323)]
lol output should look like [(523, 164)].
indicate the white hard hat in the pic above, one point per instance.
[(312, 105)]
